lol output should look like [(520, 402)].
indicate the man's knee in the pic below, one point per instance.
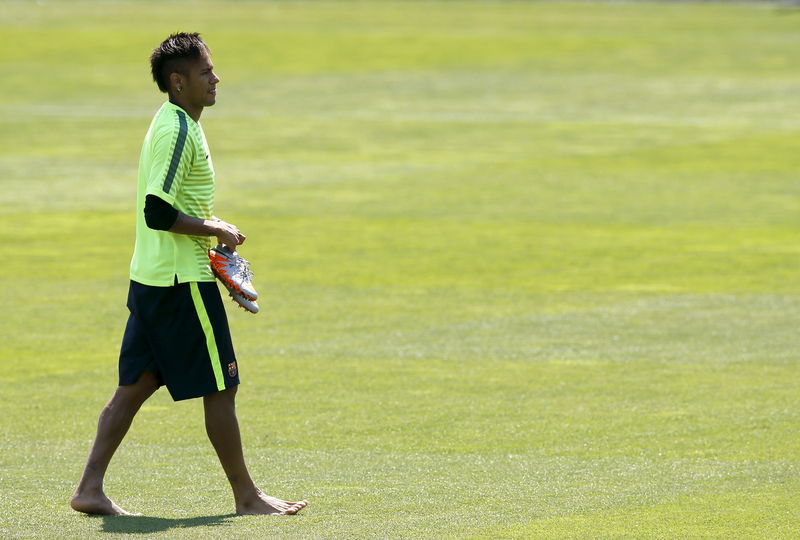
[(229, 394), (139, 391), (225, 397)]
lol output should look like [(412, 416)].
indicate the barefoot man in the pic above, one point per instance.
[(177, 333)]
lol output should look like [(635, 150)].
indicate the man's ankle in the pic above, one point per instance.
[(246, 491), (90, 486)]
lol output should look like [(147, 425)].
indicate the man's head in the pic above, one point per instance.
[(181, 66)]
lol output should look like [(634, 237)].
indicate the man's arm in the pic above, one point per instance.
[(161, 216), (225, 232)]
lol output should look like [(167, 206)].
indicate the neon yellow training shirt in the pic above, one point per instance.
[(175, 165)]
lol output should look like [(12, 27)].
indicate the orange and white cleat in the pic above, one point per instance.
[(249, 305), (233, 271)]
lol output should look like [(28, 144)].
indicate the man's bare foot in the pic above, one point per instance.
[(96, 503), (261, 504)]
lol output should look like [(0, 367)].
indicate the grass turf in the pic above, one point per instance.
[(529, 269)]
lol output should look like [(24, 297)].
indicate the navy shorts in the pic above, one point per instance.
[(181, 335)]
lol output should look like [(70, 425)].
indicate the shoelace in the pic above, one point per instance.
[(243, 269)]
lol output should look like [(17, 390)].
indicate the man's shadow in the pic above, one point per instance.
[(147, 524)]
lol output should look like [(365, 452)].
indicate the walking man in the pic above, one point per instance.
[(177, 333)]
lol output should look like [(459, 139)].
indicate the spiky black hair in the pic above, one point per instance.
[(173, 56)]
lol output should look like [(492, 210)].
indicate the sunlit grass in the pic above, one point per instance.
[(528, 269)]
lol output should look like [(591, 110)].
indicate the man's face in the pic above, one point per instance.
[(200, 86)]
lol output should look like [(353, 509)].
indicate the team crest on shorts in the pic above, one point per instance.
[(232, 371)]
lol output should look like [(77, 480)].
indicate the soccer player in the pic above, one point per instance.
[(177, 333)]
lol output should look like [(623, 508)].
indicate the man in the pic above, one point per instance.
[(177, 333)]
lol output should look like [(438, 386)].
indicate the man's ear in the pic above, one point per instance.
[(176, 82)]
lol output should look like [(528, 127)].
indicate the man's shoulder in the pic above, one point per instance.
[(169, 118), (171, 122)]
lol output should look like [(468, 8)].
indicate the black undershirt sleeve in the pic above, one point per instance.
[(159, 214)]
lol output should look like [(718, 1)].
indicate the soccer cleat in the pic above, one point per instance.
[(249, 305), (233, 271)]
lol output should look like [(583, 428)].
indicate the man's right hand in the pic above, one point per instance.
[(227, 233)]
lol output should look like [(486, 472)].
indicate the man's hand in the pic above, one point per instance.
[(227, 233)]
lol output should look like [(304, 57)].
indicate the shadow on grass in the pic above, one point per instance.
[(145, 524)]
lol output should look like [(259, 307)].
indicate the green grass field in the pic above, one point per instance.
[(529, 269)]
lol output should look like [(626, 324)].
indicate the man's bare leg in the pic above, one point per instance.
[(223, 431), (115, 419)]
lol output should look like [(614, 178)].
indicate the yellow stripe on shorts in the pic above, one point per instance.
[(208, 330)]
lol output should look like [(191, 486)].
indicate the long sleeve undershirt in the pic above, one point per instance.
[(159, 214)]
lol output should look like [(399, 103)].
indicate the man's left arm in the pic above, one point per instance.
[(162, 216)]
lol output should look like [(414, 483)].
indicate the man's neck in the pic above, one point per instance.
[(194, 114)]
